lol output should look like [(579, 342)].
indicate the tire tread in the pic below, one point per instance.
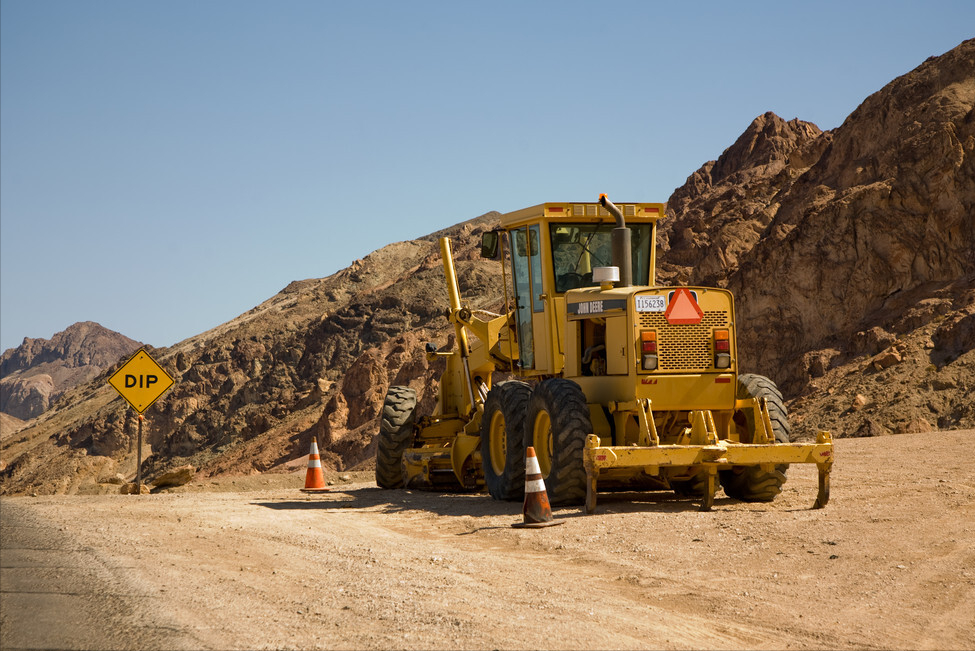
[(395, 435), (751, 483)]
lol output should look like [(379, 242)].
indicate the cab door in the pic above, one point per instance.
[(541, 321), (526, 269), (535, 309)]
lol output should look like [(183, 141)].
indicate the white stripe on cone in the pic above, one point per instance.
[(531, 466), (534, 486)]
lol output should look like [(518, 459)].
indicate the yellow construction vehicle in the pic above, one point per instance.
[(622, 385)]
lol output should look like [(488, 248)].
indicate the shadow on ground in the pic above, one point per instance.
[(374, 498)]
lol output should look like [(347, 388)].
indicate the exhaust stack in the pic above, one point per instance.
[(621, 243)]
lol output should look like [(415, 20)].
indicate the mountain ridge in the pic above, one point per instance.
[(36, 373)]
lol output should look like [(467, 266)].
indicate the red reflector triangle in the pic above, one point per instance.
[(683, 309)]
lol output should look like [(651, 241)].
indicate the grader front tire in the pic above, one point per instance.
[(395, 435), (751, 483), (503, 440), (557, 427)]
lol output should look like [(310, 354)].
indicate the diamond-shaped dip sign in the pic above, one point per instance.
[(141, 381)]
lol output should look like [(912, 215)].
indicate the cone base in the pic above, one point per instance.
[(537, 525), (315, 490)]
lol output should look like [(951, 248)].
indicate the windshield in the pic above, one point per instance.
[(578, 248)]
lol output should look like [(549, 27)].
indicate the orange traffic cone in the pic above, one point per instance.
[(537, 511), (314, 478)]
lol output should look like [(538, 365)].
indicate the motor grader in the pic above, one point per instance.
[(620, 383)]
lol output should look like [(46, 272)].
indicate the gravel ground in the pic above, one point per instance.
[(890, 563)]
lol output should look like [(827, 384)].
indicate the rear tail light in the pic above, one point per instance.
[(648, 350), (648, 341), (722, 348)]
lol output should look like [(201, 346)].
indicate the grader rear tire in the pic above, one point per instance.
[(503, 440), (751, 483), (693, 487), (395, 435), (557, 427)]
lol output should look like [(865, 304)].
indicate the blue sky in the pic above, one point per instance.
[(166, 166)]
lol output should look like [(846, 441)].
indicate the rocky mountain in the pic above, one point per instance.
[(850, 250), (851, 254), (36, 373)]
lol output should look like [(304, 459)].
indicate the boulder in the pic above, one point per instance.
[(886, 359), (175, 477), (871, 427)]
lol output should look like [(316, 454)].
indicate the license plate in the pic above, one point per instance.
[(651, 304)]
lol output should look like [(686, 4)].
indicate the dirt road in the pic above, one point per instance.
[(890, 563)]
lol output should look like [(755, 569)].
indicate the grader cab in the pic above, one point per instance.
[(621, 383)]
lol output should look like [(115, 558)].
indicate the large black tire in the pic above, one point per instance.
[(751, 483), (503, 440), (395, 435), (557, 426)]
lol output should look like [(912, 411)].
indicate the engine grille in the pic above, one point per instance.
[(685, 347)]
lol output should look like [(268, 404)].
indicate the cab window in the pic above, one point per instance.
[(578, 248)]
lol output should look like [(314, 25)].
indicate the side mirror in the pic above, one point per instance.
[(491, 245)]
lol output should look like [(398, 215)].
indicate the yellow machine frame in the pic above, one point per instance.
[(671, 422)]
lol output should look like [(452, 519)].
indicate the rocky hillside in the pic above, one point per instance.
[(851, 254), (36, 373), (314, 360)]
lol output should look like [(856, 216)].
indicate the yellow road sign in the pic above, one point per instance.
[(141, 381)]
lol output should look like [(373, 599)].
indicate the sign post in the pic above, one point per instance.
[(138, 457), (140, 381)]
